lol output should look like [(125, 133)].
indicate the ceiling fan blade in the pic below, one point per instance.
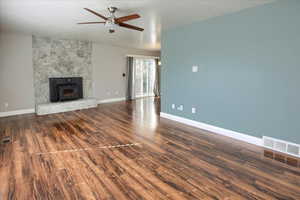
[(99, 15), (127, 18), (91, 23), (131, 26)]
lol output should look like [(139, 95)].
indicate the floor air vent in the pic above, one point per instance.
[(281, 146), (5, 140)]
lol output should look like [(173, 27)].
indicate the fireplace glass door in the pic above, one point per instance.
[(68, 92)]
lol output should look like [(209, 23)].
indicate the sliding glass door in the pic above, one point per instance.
[(144, 76)]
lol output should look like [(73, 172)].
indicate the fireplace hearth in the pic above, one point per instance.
[(65, 89)]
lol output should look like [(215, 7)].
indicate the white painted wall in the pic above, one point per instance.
[(16, 73), (109, 63)]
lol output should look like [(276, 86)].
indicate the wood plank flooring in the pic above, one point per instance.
[(125, 151)]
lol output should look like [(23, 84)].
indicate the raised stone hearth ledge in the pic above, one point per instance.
[(51, 108)]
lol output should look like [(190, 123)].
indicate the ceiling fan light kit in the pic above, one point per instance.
[(112, 22)]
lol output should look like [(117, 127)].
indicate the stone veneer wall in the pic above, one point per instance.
[(60, 58)]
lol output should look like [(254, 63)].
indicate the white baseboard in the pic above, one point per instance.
[(238, 136), (111, 100), (17, 112), (32, 110)]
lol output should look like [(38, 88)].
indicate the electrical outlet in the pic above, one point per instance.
[(193, 110), (195, 68), (173, 106), (6, 105), (180, 108)]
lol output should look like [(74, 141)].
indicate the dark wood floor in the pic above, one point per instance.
[(125, 151)]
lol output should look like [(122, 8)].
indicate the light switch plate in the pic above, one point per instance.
[(180, 108), (195, 68), (173, 106)]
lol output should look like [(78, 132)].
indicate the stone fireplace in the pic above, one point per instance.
[(62, 75), (61, 58)]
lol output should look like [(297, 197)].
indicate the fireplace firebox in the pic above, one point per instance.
[(65, 89)]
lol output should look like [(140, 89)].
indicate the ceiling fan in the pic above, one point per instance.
[(112, 21)]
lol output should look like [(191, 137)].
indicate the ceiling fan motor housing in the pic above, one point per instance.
[(112, 9)]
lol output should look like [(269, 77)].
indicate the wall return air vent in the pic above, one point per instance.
[(282, 146)]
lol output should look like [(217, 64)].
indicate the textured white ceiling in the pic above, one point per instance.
[(58, 18)]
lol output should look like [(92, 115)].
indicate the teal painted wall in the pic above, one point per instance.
[(249, 71)]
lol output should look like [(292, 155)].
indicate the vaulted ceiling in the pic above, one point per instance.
[(58, 18)]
